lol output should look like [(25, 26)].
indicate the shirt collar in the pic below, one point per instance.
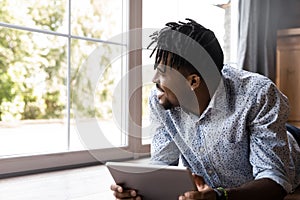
[(217, 102)]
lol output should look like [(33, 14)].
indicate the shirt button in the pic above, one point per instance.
[(210, 172), (201, 150)]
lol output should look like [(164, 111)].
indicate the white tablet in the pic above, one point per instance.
[(152, 182)]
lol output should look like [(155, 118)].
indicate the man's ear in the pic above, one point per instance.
[(194, 81)]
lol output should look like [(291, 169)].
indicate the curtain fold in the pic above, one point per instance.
[(258, 24)]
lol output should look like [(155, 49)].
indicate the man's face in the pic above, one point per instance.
[(171, 86)]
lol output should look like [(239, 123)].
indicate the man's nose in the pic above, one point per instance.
[(155, 77)]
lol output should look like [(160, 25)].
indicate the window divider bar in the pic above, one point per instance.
[(135, 79), (69, 80), (68, 35)]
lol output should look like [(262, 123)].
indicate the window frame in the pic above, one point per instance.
[(28, 164)]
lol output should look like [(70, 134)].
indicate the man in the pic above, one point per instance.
[(226, 125)]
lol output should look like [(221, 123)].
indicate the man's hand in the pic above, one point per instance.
[(120, 193), (204, 191)]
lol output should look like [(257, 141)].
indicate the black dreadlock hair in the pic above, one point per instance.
[(164, 39)]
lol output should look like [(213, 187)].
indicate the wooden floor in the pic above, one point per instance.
[(88, 183)]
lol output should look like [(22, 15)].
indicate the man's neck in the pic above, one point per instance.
[(203, 99)]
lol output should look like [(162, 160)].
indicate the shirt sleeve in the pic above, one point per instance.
[(269, 151), (163, 148)]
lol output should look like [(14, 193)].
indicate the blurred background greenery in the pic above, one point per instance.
[(33, 66)]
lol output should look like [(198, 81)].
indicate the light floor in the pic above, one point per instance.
[(87, 183)]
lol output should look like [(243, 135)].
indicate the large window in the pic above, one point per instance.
[(63, 95), (46, 46)]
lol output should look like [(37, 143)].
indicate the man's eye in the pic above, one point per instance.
[(161, 69)]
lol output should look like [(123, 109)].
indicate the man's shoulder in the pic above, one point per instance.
[(240, 78)]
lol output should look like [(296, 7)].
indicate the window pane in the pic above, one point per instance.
[(34, 74), (32, 92), (100, 19), (46, 15), (96, 93), (148, 73), (204, 12)]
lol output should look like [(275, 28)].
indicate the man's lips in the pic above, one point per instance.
[(159, 88), (160, 92)]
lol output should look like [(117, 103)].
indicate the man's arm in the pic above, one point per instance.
[(163, 148), (269, 150), (264, 189), (261, 189)]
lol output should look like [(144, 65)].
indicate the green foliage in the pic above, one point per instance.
[(104, 94), (23, 59), (47, 14), (93, 99), (33, 66), (6, 88), (53, 105)]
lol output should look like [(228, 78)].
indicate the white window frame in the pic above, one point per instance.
[(13, 166)]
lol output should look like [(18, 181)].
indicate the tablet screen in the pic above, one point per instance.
[(152, 182)]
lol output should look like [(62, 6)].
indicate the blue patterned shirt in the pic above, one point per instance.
[(240, 136)]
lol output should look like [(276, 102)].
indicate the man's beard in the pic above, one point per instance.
[(167, 105)]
